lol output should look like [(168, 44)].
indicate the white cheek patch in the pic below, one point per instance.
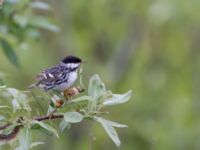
[(73, 65), (67, 65)]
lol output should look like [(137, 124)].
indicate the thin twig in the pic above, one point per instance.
[(48, 117), (11, 135)]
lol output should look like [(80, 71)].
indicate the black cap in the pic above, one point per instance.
[(71, 59)]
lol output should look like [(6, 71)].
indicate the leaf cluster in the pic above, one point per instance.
[(20, 114), (19, 21)]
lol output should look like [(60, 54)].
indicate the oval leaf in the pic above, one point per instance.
[(46, 126), (109, 130), (63, 125), (43, 23), (13, 92), (118, 99), (73, 117), (9, 52), (16, 105), (96, 87), (82, 98), (114, 124), (36, 144), (22, 21), (4, 106), (24, 140)]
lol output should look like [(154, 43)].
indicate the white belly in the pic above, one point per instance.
[(72, 78)]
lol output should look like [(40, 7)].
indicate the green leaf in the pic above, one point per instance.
[(40, 5), (2, 87), (73, 117), (20, 100), (24, 140), (118, 99), (109, 130), (15, 105), (34, 144), (42, 22), (4, 106), (46, 126), (13, 92), (9, 52), (51, 108), (114, 124), (23, 101), (63, 125), (22, 21), (82, 98), (96, 87), (46, 132)]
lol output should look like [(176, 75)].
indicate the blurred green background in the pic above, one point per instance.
[(149, 46)]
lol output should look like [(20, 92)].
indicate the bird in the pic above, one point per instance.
[(60, 77)]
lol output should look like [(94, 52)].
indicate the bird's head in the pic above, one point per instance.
[(72, 62)]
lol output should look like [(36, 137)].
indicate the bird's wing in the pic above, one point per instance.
[(51, 75)]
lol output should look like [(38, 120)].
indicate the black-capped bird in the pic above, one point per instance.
[(60, 77)]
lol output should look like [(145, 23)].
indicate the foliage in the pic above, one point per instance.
[(20, 20), (19, 113)]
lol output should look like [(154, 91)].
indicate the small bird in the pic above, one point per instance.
[(60, 77)]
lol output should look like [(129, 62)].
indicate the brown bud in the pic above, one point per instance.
[(59, 103), (73, 91)]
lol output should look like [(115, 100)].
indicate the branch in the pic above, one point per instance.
[(48, 117), (15, 131), (11, 135)]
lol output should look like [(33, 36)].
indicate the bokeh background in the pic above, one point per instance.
[(151, 47)]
